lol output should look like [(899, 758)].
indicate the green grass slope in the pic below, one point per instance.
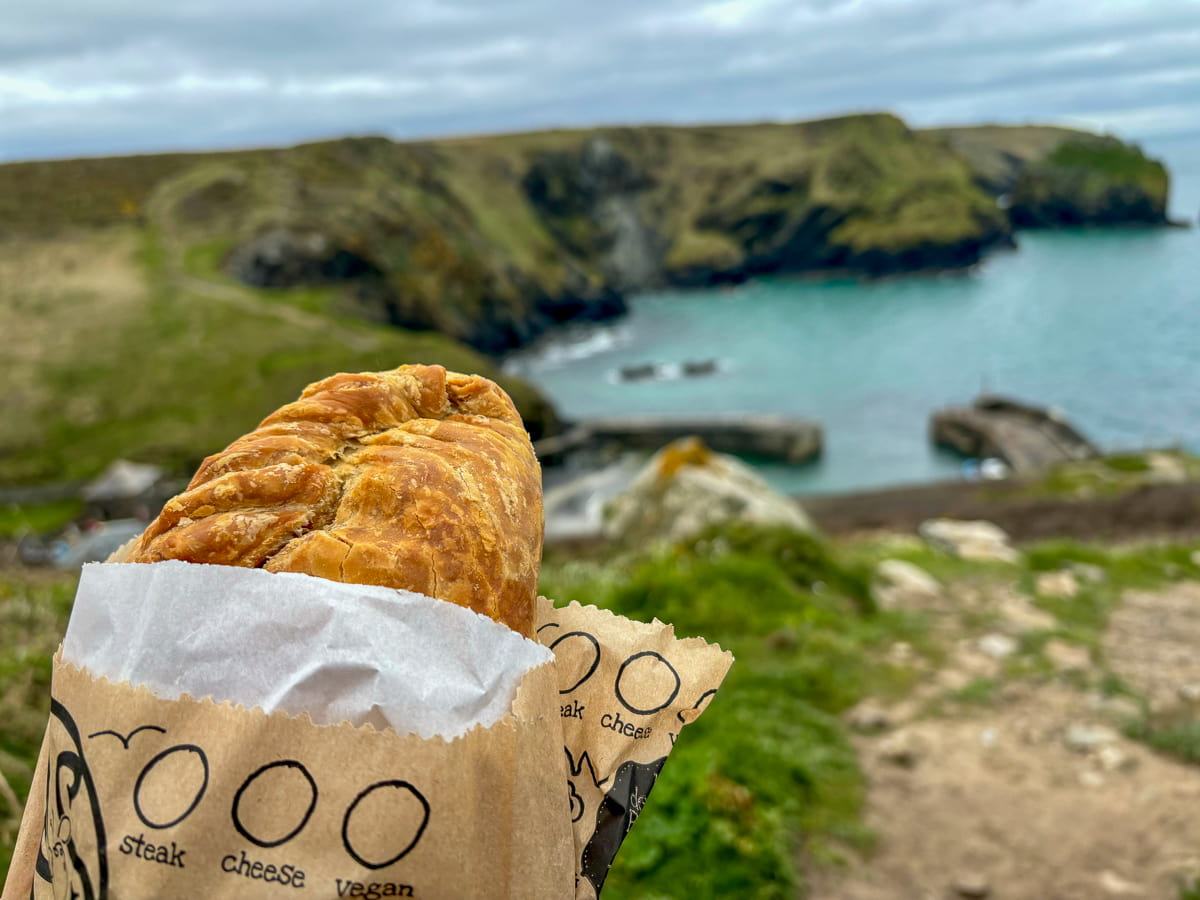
[(491, 240), (156, 306), (114, 349)]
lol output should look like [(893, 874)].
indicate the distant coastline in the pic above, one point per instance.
[(189, 294), (494, 240)]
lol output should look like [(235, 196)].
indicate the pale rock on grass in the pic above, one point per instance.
[(1021, 617), (902, 585), (974, 540), (686, 488), (1084, 738), (1060, 584), (1066, 657), (997, 646)]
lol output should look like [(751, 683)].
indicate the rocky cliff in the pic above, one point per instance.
[(1052, 177), (492, 240)]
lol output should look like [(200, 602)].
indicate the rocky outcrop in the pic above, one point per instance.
[(1050, 177), (862, 202), (686, 488), (899, 584), (592, 201), (978, 540), (284, 257), (1093, 181), (494, 240)]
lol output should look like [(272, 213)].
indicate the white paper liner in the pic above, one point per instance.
[(299, 644)]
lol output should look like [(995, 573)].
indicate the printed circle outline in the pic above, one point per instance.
[(661, 706), (137, 788), (237, 799), (595, 662), (396, 783)]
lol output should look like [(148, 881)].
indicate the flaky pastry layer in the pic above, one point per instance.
[(413, 478)]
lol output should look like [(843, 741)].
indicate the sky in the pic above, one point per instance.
[(92, 77)]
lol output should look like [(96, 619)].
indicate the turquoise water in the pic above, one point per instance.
[(1102, 324)]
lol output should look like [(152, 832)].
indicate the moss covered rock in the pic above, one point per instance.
[(1093, 181), (1053, 177)]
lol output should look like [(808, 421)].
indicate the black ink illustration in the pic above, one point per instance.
[(73, 853), (707, 695), (590, 669), (392, 803), (578, 807), (287, 790), (647, 682), (126, 738), (696, 707), (575, 769), (618, 811), (171, 786)]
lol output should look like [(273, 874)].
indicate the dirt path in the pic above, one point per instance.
[(1038, 796), (1153, 643)]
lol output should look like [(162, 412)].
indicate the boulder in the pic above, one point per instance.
[(1114, 884), (1088, 572), (1021, 617), (1167, 468), (972, 885), (902, 748), (1117, 709), (1062, 583), (686, 487), (997, 646), (1066, 657), (868, 716), (1084, 738), (1112, 758), (978, 540), (902, 585)]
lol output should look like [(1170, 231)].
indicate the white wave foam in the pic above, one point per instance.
[(570, 346)]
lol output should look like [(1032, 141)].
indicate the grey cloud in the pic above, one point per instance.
[(145, 75)]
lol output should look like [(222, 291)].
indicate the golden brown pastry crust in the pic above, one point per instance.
[(414, 478)]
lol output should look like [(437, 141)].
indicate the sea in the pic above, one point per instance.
[(1102, 324)]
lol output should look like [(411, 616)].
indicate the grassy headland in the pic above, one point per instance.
[(115, 351), (491, 240), (1060, 176), (157, 306)]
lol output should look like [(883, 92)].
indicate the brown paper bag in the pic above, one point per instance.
[(625, 690), (150, 798), (147, 797)]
